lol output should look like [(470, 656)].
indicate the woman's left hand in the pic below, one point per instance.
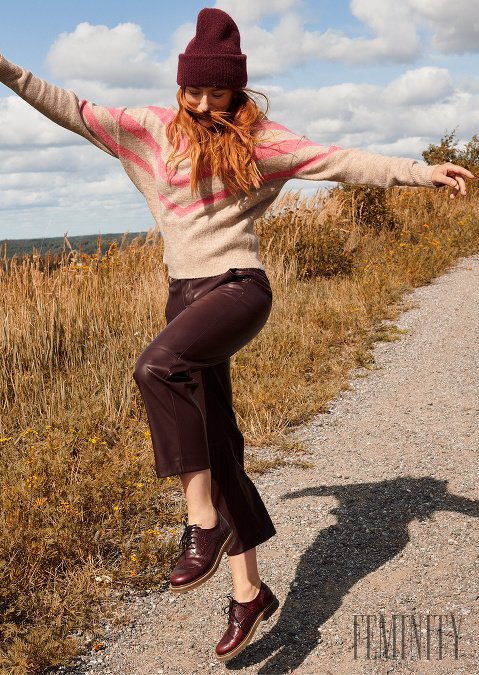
[(452, 175)]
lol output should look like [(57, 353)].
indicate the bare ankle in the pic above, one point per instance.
[(247, 592), (206, 519)]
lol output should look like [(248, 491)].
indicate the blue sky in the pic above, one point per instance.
[(383, 75)]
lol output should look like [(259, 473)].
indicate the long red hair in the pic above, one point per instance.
[(225, 150)]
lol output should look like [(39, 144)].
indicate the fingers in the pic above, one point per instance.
[(459, 186), (454, 170), (463, 171), (452, 175)]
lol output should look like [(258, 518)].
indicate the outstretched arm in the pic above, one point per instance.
[(359, 167), (452, 175)]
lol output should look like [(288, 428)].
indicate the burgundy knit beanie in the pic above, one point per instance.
[(213, 58)]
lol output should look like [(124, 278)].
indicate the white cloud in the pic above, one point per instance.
[(122, 96), (455, 28), (400, 118), (391, 23), (21, 125), (118, 66), (391, 33), (119, 56), (422, 86), (66, 159), (43, 165), (61, 176), (80, 195), (289, 44)]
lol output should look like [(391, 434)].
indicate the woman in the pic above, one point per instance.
[(207, 171)]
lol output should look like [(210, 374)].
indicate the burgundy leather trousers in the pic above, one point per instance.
[(184, 378)]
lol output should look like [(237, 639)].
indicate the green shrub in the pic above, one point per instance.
[(366, 206)]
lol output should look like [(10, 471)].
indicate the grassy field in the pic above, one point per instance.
[(81, 510)]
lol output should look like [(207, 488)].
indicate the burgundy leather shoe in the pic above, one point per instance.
[(243, 620), (201, 552)]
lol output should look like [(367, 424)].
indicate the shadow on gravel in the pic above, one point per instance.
[(372, 528)]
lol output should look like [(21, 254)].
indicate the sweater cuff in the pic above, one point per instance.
[(422, 174)]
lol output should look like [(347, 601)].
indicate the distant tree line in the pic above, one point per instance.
[(54, 246)]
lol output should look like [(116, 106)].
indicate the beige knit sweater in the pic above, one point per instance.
[(208, 234)]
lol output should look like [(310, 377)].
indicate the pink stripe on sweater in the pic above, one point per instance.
[(163, 114), (133, 127), (87, 113), (313, 161), (138, 131), (289, 173), (267, 150), (182, 211), (112, 144)]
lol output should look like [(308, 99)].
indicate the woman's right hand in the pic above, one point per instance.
[(452, 175)]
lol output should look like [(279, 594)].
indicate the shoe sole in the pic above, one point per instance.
[(265, 614), (184, 588)]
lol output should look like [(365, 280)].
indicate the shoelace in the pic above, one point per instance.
[(230, 610), (187, 540)]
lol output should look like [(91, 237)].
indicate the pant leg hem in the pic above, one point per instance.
[(248, 546), (177, 471)]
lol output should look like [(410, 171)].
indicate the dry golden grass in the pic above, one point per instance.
[(80, 503)]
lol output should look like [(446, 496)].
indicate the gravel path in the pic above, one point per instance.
[(384, 525)]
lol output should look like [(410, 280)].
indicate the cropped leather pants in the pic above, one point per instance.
[(184, 379)]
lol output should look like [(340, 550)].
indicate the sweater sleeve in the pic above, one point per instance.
[(357, 167), (98, 125)]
